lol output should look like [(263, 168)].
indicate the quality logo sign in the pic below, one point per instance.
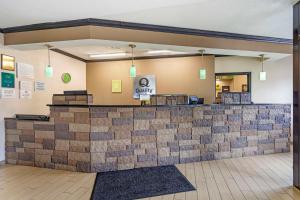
[(144, 85)]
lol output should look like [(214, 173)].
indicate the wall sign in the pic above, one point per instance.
[(26, 89), (7, 80), (116, 86), (144, 85), (39, 86), (8, 93), (7, 63), (25, 71), (66, 77)]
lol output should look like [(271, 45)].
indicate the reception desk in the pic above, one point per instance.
[(97, 138)]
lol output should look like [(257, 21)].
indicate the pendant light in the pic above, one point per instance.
[(49, 68), (202, 71), (132, 71), (262, 74)]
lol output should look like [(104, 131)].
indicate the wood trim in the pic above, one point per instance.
[(68, 54), (145, 27)]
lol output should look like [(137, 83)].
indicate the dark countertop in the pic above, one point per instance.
[(186, 105)]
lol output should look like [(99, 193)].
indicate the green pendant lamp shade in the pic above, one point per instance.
[(262, 74), (49, 71), (49, 68), (132, 71), (202, 74), (202, 71)]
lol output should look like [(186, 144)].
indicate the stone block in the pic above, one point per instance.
[(172, 160), (264, 127), (98, 157), (141, 124), (206, 139), (43, 127), (202, 123), (122, 121), (144, 139), (114, 114), (218, 138), (78, 156), (82, 118), (220, 129), (78, 109), (16, 132), (224, 147), (64, 135), (101, 122), (62, 145), (210, 148), (222, 155), (44, 134), (12, 138), (79, 127), (10, 124), (43, 158), (79, 146), (102, 135), (98, 146), (25, 125), (48, 144), (147, 158)]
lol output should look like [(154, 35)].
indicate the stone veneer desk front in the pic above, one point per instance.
[(91, 138)]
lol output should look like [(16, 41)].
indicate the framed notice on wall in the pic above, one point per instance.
[(7, 62), (7, 80), (116, 86)]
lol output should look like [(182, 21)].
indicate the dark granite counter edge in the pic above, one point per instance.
[(185, 105), (72, 95), (14, 118)]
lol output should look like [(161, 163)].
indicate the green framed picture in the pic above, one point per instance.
[(66, 77), (7, 80)]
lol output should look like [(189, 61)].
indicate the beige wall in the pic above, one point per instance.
[(173, 76), (37, 105), (277, 88)]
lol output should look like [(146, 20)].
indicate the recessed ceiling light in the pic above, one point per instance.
[(159, 51), (107, 55)]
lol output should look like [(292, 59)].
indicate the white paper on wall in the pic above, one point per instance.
[(39, 86), (26, 85), (8, 93), (25, 94), (26, 88), (25, 71)]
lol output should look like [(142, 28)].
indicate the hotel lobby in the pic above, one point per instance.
[(181, 100)]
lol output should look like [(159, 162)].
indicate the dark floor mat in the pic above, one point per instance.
[(139, 183)]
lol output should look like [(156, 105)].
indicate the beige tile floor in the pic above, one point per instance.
[(260, 177)]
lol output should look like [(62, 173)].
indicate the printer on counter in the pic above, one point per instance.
[(195, 100)]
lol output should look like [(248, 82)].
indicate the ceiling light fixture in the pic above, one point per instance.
[(202, 71), (108, 55), (262, 74), (49, 68), (159, 51), (132, 71)]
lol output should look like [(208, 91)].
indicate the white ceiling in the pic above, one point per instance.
[(255, 17), (84, 48)]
